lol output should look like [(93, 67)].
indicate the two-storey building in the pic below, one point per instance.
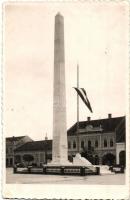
[(105, 136), (11, 144)]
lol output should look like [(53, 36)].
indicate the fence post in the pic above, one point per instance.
[(82, 171), (44, 170), (62, 170), (97, 170), (122, 169), (15, 169), (29, 169)]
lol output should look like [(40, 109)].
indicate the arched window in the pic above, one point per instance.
[(96, 143), (96, 160), (111, 142), (74, 144), (108, 159), (82, 144), (89, 144), (105, 143), (122, 158), (69, 145)]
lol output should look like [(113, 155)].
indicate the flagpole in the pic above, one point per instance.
[(78, 109)]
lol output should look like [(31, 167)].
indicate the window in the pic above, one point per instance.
[(11, 161), (89, 144), (41, 157), (74, 144), (69, 144), (7, 151), (111, 142), (105, 143), (82, 144), (11, 150), (96, 143), (7, 162)]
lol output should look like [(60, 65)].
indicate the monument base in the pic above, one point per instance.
[(59, 170), (59, 163), (81, 161), (80, 166)]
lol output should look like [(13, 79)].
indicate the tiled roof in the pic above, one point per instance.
[(12, 139), (36, 146), (121, 131), (107, 125)]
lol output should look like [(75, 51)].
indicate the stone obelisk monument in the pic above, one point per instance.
[(60, 149)]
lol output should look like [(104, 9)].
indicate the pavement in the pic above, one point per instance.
[(104, 179)]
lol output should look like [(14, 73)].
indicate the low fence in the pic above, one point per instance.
[(117, 169), (60, 170)]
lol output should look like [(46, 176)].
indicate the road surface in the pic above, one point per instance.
[(111, 179)]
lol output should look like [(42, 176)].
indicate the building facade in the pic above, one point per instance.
[(106, 137), (41, 152), (103, 139), (11, 144)]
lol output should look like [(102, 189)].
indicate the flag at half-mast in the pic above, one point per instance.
[(83, 95)]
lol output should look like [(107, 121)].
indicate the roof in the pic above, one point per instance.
[(121, 131), (103, 126), (36, 146), (116, 124), (12, 139)]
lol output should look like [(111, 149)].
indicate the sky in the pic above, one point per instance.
[(96, 37)]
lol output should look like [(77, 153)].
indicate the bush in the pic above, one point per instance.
[(28, 158), (34, 164)]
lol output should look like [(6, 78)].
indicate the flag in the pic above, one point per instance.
[(83, 95), (89, 105)]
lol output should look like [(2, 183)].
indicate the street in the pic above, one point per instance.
[(106, 179)]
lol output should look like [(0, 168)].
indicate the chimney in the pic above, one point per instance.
[(46, 138), (88, 119), (109, 115)]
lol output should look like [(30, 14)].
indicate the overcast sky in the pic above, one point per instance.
[(96, 36)]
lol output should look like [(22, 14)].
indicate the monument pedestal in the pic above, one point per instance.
[(80, 166), (67, 163)]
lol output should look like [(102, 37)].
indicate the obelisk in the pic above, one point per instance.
[(60, 149)]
